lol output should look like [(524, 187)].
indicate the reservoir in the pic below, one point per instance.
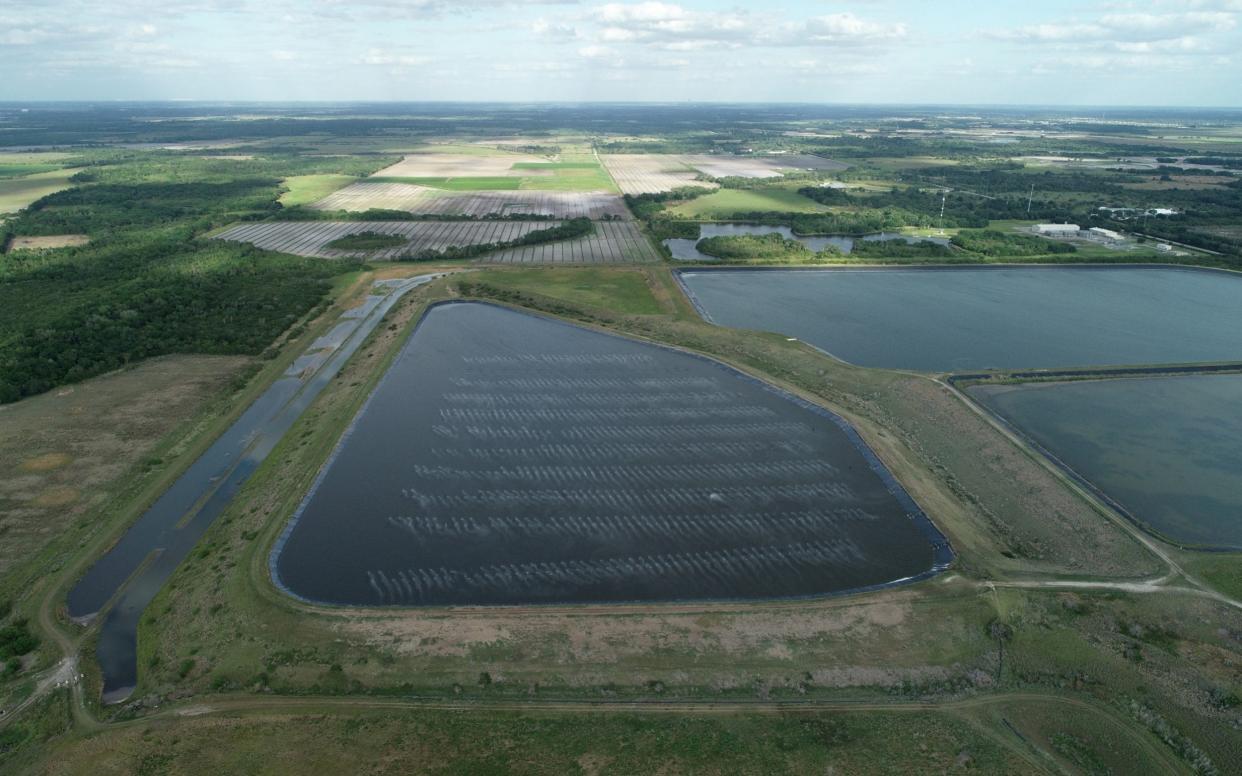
[(1167, 450), (507, 458), (684, 249), (955, 319)]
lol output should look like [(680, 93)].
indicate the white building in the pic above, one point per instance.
[(1106, 234), (1164, 247), (1058, 230)]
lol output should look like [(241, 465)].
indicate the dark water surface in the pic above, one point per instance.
[(977, 318), (1167, 449), (132, 572), (511, 459), (685, 249)]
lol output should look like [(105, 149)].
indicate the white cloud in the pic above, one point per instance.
[(675, 28), (384, 57)]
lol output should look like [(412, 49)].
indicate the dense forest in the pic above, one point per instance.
[(148, 284)]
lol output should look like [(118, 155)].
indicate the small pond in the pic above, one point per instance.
[(1010, 317), (1167, 450)]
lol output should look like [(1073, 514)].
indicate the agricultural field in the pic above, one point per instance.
[(16, 193), (755, 166), (612, 241), (490, 169), (652, 173), (305, 189), (421, 200), (726, 203)]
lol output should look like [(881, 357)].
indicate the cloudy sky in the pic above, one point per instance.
[(1158, 52)]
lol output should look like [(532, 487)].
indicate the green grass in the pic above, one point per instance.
[(10, 170), (555, 166), (472, 741), (727, 202), (1222, 571), (564, 177), (305, 189), (17, 193), (623, 290)]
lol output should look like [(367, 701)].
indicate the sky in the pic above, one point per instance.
[(1049, 52)]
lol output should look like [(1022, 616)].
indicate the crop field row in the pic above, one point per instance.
[(421, 200), (613, 242), (651, 173), (456, 165), (311, 238), (725, 166)]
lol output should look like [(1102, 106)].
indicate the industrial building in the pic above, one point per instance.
[(1106, 234), (1058, 230)]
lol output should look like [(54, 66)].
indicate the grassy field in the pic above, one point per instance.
[(17, 193), (727, 202), (67, 452), (305, 189), (454, 184), (566, 178), (624, 290), (382, 741)]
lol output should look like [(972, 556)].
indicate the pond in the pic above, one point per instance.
[(507, 458), (954, 319), (1167, 450), (685, 249)]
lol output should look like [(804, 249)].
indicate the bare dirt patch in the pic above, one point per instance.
[(48, 242)]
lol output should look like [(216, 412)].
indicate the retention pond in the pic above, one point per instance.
[(507, 458), (956, 319), (1165, 450)]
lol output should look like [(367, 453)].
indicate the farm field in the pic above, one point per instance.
[(498, 170), (305, 189), (728, 166), (726, 203), (17, 193), (421, 200), (652, 173), (612, 241)]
